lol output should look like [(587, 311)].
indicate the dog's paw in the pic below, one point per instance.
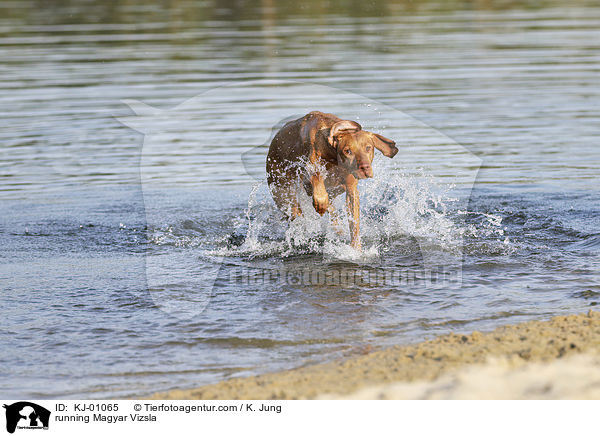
[(321, 203)]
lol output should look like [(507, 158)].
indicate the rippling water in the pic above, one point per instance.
[(104, 231)]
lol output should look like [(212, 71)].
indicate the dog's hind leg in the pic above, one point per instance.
[(286, 199), (295, 209), (335, 221)]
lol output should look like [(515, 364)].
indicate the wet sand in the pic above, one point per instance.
[(559, 358)]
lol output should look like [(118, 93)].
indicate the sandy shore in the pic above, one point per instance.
[(537, 359)]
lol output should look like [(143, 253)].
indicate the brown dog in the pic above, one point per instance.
[(328, 155)]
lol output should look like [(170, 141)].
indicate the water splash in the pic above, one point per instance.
[(411, 214), (392, 206)]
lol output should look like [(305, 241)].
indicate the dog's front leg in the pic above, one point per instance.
[(353, 206), (319, 193)]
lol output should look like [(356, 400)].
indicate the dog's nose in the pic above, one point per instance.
[(366, 169)]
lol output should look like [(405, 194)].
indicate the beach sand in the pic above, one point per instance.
[(559, 358)]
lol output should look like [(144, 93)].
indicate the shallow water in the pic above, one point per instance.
[(131, 264)]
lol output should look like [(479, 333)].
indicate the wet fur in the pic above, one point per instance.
[(328, 156)]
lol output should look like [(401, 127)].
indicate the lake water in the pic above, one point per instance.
[(134, 260)]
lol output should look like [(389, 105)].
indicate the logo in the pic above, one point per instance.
[(180, 150), (26, 415)]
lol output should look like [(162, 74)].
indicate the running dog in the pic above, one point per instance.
[(328, 155)]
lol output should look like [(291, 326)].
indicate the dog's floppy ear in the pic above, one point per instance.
[(344, 126), (384, 145)]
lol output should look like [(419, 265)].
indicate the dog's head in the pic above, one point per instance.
[(355, 147)]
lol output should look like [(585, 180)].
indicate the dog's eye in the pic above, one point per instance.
[(348, 152), (368, 148)]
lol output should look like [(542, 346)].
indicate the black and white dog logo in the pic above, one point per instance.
[(26, 415)]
